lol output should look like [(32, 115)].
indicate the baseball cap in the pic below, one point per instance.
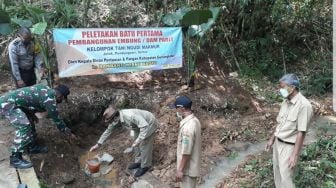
[(64, 90), (182, 101)]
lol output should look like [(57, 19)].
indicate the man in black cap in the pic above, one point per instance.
[(18, 105), (188, 144)]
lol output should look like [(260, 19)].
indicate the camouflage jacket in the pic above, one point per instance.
[(37, 98)]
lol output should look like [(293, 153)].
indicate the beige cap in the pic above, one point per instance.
[(109, 113)]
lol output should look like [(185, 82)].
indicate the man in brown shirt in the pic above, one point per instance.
[(293, 119), (188, 144)]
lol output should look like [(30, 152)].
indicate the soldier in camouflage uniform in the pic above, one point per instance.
[(24, 56), (38, 98)]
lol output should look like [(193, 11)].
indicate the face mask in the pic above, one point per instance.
[(179, 116), (115, 120), (284, 92)]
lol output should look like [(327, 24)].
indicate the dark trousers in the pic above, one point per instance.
[(28, 77)]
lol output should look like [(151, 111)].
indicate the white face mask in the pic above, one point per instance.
[(179, 116), (284, 92), (115, 121)]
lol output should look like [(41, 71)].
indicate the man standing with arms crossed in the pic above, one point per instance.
[(188, 144), (294, 117)]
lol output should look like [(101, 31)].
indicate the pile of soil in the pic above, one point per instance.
[(223, 107)]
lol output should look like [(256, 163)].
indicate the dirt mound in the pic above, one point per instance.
[(219, 102)]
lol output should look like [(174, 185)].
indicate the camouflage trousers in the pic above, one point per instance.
[(23, 128)]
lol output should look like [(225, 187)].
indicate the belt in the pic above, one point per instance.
[(285, 142), (27, 70)]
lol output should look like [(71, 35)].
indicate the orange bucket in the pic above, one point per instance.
[(93, 165)]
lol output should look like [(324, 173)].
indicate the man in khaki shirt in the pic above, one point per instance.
[(188, 144), (143, 126), (293, 119)]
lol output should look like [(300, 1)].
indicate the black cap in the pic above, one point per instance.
[(64, 90), (182, 101)]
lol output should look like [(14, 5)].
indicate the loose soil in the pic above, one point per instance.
[(225, 109)]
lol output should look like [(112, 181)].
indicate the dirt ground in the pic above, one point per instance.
[(226, 110)]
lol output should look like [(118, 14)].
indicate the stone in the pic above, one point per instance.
[(106, 158), (233, 74), (141, 184), (96, 175), (67, 178), (105, 169), (156, 173), (103, 183)]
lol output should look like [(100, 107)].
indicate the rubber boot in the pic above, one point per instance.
[(17, 161)]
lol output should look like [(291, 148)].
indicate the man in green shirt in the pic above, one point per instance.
[(16, 106)]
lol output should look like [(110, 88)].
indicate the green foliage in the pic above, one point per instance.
[(198, 22), (263, 168), (251, 165), (174, 19), (260, 38), (317, 79), (5, 27), (39, 28), (43, 184), (317, 165), (203, 27), (270, 38), (233, 155), (22, 22), (196, 17), (65, 14)]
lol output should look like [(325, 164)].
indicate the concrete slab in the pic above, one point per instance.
[(148, 180), (8, 175), (28, 177)]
